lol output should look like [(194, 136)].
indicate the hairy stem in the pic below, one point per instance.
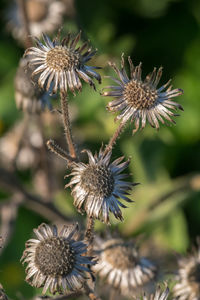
[(66, 123), (55, 148), (114, 137), (89, 234)]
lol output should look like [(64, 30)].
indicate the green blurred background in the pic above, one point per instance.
[(167, 207)]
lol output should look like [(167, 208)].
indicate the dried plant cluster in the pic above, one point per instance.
[(67, 260)]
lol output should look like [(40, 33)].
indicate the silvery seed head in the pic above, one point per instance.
[(140, 100), (3, 295), (158, 295), (43, 16), (56, 261), (29, 97), (188, 285), (62, 65), (119, 263), (97, 186)]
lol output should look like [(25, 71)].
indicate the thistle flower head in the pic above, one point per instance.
[(121, 266), (140, 100), (158, 295), (61, 64), (188, 285), (43, 16), (54, 260), (28, 96), (98, 185), (3, 295)]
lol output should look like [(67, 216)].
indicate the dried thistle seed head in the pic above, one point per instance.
[(61, 64), (29, 97), (140, 100), (188, 285), (119, 263), (98, 185), (158, 295), (55, 260), (43, 15), (2, 293)]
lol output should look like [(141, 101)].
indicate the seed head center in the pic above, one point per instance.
[(120, 256), (98, 180), (140, 95), (62, 59), (54, 256)]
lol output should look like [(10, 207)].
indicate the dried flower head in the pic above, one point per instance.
[(3, 295), (28, 95), (119, 263), (61, 64), (43, 15), (188, 285), (55, 260), (159, 294), (99, 184), (140, 100)]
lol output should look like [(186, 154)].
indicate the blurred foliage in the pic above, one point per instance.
[(157, 33)]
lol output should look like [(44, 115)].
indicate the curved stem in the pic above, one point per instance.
[(66, 123), (114, 137)]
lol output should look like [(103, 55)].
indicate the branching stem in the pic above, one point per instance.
[(55, 148), (66, 123)]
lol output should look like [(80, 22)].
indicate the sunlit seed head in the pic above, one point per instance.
[(139, 95), (54, 257), (62, 59), (120, 255), (98, 180)]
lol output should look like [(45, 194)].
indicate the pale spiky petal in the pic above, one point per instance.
[(158, 295), (28, 95), (139, 101)]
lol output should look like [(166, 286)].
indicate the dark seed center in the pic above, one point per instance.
[(120, 256), (194, 274), (98, 180), (54, 257), (140, 95), (62, 59)]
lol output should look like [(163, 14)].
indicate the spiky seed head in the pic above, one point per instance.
[(140, 100), (119, 263), (61, 65), (188, 278), (97, 186), (56, 261)]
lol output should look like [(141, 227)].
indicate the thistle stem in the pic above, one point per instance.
[(114, 137), (55, 148), (66, 123), (89, 234)]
